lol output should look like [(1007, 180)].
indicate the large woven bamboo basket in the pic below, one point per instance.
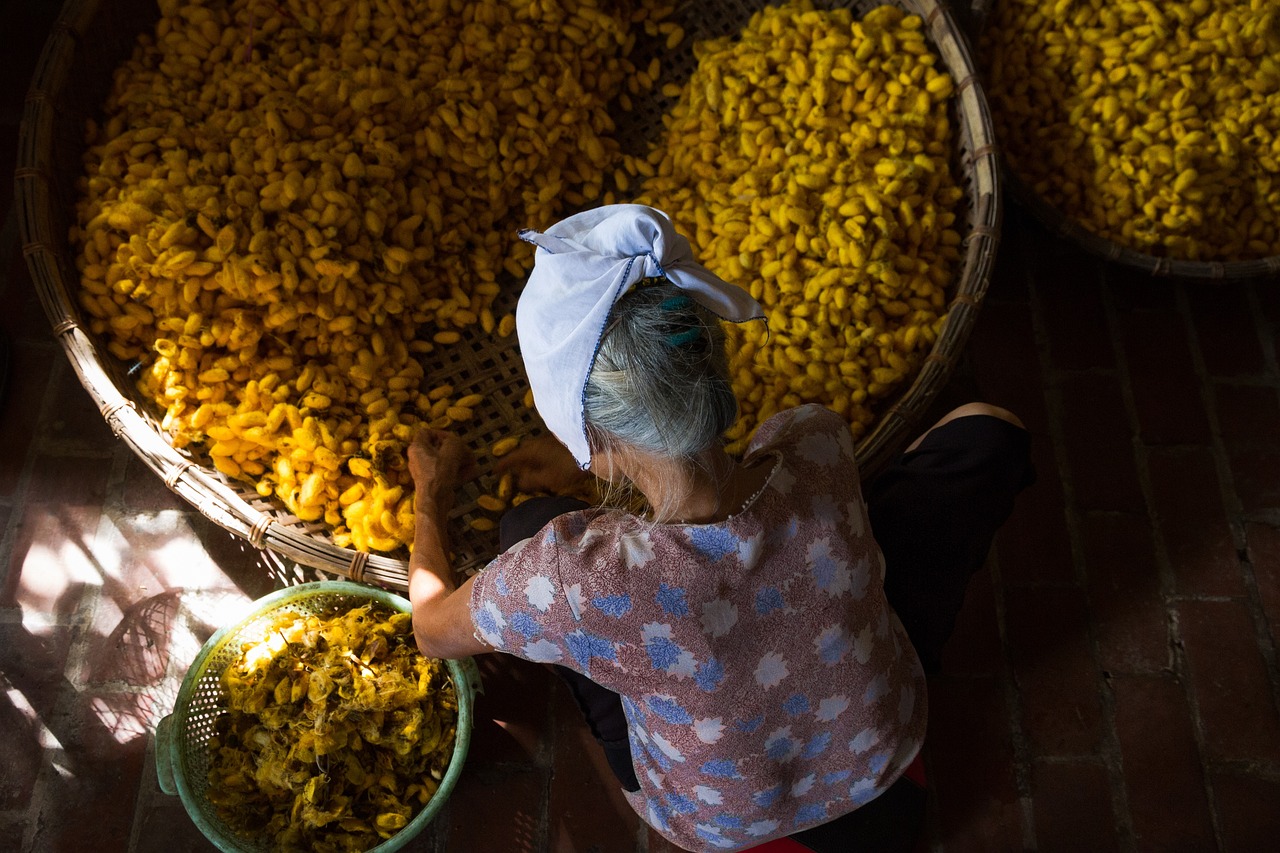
[(91, 37), (979, 17)]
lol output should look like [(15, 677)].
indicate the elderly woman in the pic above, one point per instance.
[(748, 651)]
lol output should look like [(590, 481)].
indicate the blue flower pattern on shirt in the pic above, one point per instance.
[(616, 606), (721, 768), (713, 542), (768, 600), (583, 647), (669, 710), (526, 624), (662, 651), (672, 600), (710, 674), (792, 705)]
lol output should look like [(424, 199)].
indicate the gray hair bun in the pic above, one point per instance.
[(660, 381)]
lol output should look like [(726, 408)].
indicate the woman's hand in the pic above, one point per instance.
[(439, 463), (543, 464)]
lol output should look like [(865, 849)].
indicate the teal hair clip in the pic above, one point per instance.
[(688, 336)]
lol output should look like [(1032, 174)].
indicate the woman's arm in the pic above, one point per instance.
[(442, 626)]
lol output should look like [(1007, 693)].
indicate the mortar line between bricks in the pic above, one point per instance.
[(546, 767), (1109, 748), (1269, 355), (9, 536), (1245, 767), (1054, 407), (1013, 703), (1142, 460), (1226, 489), (1231, 498)]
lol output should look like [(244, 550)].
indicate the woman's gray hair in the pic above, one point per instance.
[(660, 381)]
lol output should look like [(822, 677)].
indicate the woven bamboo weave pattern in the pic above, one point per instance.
[(93, 36)]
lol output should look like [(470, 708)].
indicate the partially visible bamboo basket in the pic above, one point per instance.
[(980, 17), (1062, 225), (91, 37)]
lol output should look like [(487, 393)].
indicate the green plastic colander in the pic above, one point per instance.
[(182, 737)]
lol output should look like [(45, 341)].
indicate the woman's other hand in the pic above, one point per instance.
[(543, 464), (439, 463)]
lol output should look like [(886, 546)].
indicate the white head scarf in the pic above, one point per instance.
[(582, 266)]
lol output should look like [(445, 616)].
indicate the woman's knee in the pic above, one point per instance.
[(971, 409)]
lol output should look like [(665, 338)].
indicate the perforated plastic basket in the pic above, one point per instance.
[(182, 738)]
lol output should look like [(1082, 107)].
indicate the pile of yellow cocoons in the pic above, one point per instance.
[(809, 160), (1155, 124), (287, 203)]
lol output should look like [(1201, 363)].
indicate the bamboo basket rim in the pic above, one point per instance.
[(272, 528), (1061, 224)]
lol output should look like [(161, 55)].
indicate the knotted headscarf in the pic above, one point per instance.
[(582, 266)]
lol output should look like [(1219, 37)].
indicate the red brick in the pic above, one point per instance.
[(1060, 269), (1249, 809), (1256, 474), (658, 844), (513, 714), (1004, 355), (21, 753), (974, 647), (33, 21), (136, 652), (70, 480), (13, 827), (1046, 632), (1163, 776), (1237, 714), (24, 318), (103, 722), (1269, 300), (165, 827), (587, 810), (1247, 414), (1074, 314), (495, 810), (1009, 276), (144, 554), (1033, 545), (98, 814), (1264, 555), (1124, 593), (1073, 812), (971, 765), (75, 422), (1099, 444), (145, 491), (1162, 379), (52, 560), (33, 659), (1132, 290), (1228, 336), (8, 162), (28, 381), (249, 569), (1187, 500)]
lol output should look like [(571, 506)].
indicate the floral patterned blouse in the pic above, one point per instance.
[(768, 686)]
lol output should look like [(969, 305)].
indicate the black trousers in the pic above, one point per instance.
[(934, 512)]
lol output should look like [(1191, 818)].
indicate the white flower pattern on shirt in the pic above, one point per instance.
[(767, 686)]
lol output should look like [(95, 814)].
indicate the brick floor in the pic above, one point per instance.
[(1113, 683)]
